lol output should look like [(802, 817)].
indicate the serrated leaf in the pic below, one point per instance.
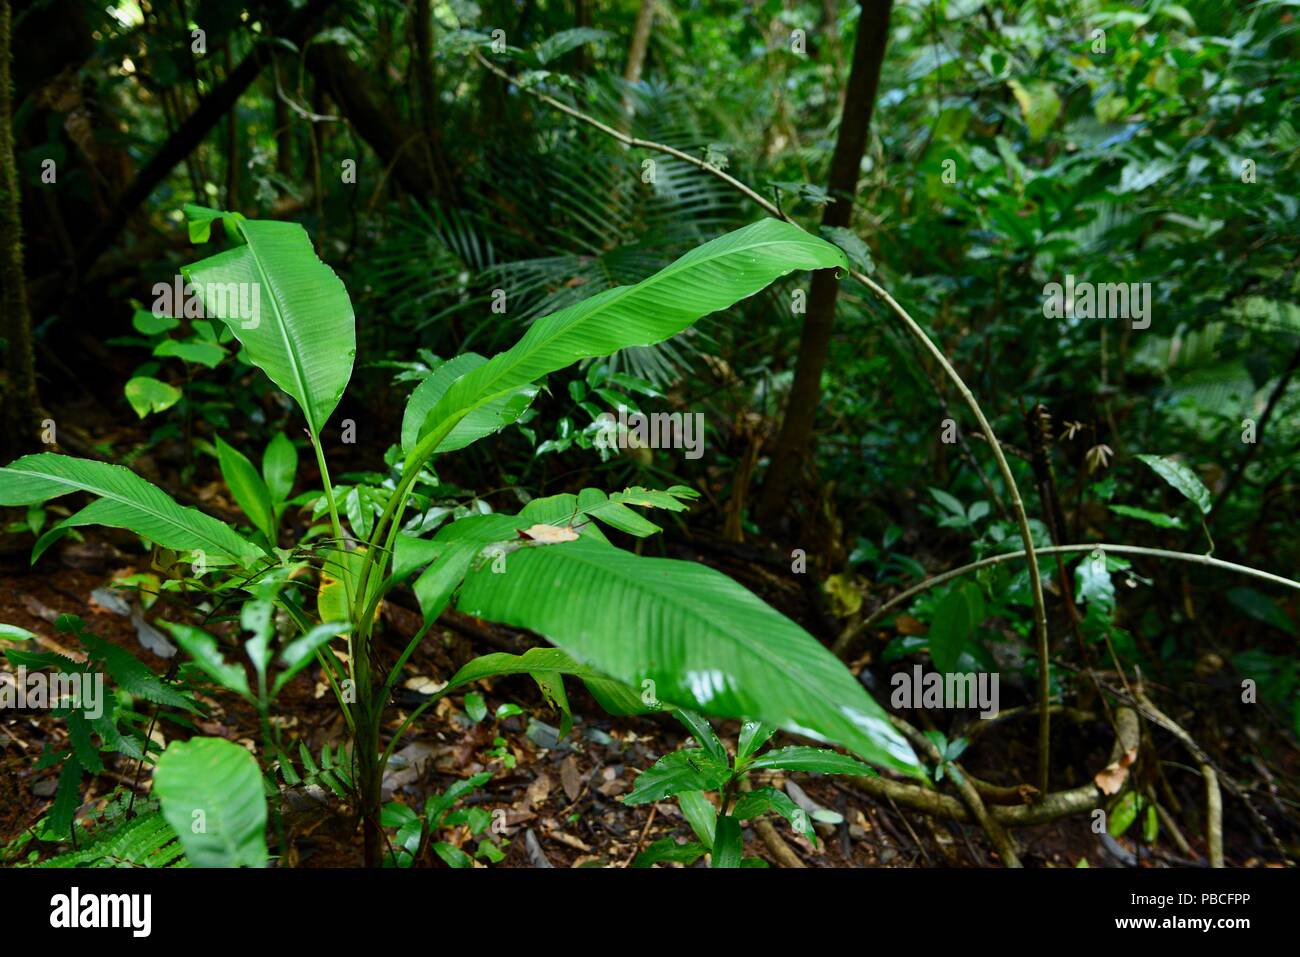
[(690, 770), (132, 675), (703, 733)]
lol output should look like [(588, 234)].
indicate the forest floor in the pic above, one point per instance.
[(560, 796)]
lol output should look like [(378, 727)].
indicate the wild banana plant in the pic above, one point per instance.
[(640, 632)]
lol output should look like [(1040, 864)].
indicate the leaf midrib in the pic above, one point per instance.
[(687, 603), (308, 408), (665, 273), (104, 494)]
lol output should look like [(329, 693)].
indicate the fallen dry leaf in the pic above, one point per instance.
[(1112, 777), (538, 790), (907, 625), (571, 778)]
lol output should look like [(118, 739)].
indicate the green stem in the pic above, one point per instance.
[(1190, 557)]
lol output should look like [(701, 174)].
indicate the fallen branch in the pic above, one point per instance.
[(784, 854), (1213, 796), (969, 795)]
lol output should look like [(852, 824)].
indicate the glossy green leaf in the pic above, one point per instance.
[(667, 850), (700, 814), (211, 795), (753, 735), (728, 843), (482, 422), (1181, 478), (451, 855), (147, 324), (301, 332), (761, 800), (705, 642), (148, 395), (690, 770), (280, 467), (1158, 519), (207, 354), (551, 684), (953, 625), (818, 760), (302, 650), (710, 277), (437, 806), (202, 647), (703, 732), (124, 501)]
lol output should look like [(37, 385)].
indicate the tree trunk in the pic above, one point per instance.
[(581, 62), (426, 84), (365, 106), (20, 397), (805, 393), (640, 42)]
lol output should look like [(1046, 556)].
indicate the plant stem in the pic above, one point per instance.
[(1191, 557), (1017, 504)]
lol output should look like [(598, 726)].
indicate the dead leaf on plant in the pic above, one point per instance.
[(550, 534)]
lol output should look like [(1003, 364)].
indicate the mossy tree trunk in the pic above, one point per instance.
[(21, 401)]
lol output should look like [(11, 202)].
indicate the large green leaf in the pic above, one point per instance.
[(479, 423), (125, 501), (704, 641), (456, 545), (710, 277), (304, 334), (211, 795)]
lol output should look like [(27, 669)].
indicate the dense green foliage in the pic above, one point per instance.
[(441, 255)]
